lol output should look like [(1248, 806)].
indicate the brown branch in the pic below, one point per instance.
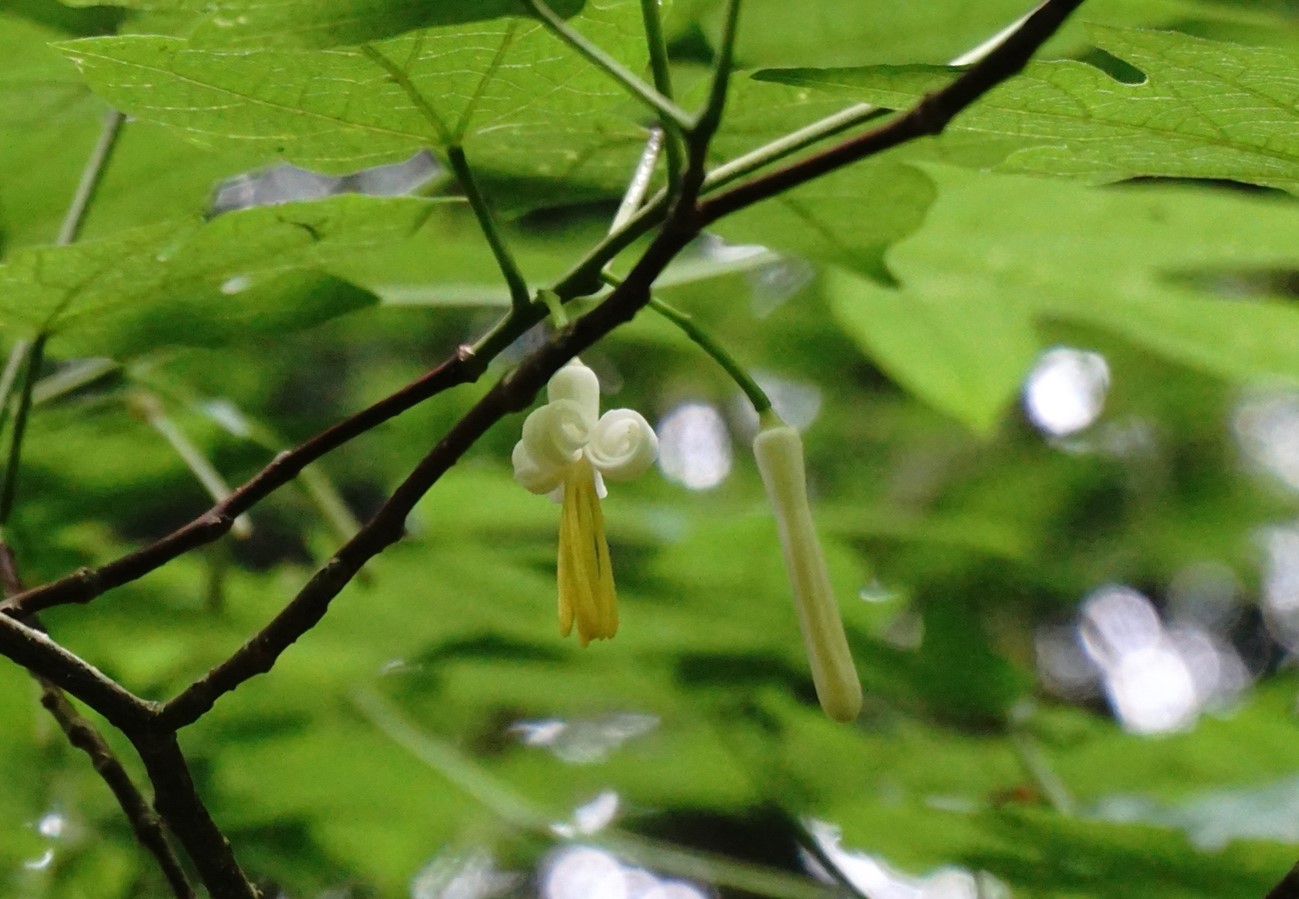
[(86, 584), (1288, 888), (40, 655), (515, 391), (84, 736), (144, 821), (177, 801), (928, 117), (511, 394)]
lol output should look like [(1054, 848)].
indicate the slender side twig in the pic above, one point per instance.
[(711, 116), (86, 584), (700, 137), (177, 800), (145, 823), (519, 296), (662, 72), (673, 116), (1288, 888), (512, 393), (91, 177)]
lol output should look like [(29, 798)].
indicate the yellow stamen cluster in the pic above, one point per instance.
[(568, 451)]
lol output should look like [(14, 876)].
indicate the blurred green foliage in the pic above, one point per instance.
[(901, 304)]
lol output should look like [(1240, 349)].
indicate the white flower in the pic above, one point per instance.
[(778, 451), (568, 450)]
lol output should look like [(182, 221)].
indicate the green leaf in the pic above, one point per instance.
[(1000, 255), (848, 218), (253, 272), (326, 23), (341, 109), (964, 354), (859, 32), (1205, 110), (50, 122)]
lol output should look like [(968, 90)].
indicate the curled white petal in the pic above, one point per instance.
[(622, 445), (555, 433), (576, 383), (535, 478)]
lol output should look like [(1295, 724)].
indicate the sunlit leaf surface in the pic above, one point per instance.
[(1188, 108)]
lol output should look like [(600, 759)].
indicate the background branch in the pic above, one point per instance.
[(91, 176), (177, 800), (1288, 888), (145, 823), (86, 584), (83, 735)]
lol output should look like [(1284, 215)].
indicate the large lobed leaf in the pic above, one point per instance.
[(997, 257), (1205, 109), (860, 32), (523, 104), (325, 23)]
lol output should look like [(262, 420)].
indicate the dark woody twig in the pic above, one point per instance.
[(144, 821), (83, 735), (930, 116), (1288, 888), (515, 391), (86, 584), (40, 655), (177, 801)]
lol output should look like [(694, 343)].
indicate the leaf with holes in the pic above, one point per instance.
[(1203, 109)]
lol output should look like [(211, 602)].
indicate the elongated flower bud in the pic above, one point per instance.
[(779, 454)]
